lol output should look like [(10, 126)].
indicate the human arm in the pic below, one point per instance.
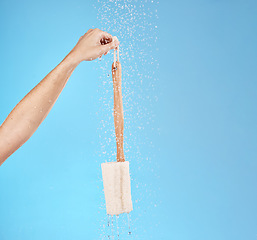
[(30, 112)]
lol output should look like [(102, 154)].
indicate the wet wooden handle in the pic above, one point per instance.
[(118, 110)]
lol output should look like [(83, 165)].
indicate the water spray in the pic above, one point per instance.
[(116, 177)]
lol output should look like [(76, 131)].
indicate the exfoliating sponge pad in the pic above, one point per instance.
[(117, 190)]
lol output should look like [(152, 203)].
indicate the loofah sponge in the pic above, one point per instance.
[(117, 190)]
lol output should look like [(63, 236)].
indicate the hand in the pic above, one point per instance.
[(93, 44)]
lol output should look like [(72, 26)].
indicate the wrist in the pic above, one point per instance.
[(73, 59)]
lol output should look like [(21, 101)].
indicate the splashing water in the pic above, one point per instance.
[(129, 230), (109, 237), (117, 223), (112, 229), (134, 22), (122, 231)]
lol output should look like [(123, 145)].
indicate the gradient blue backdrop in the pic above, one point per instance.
[(205, 155)]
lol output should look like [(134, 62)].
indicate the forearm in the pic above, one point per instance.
[(25, 118), (29, 113)]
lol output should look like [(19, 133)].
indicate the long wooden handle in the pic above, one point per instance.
[(118, 110)]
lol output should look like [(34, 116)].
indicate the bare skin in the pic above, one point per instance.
[(30, 112)]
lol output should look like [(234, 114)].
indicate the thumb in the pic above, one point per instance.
[(107, 47)]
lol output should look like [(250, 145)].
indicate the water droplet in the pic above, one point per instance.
[(108, 224), (112, 229), (129, 230), (117, 218)]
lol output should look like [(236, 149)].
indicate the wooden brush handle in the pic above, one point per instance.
[(118, 110)]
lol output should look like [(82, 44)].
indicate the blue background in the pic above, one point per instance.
[(190, 94)]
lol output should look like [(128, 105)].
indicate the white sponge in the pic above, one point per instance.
[(117, 188)]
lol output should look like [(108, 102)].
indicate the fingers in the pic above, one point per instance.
[(104, 49), (105, 38), (103, 34), (106, 41)]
